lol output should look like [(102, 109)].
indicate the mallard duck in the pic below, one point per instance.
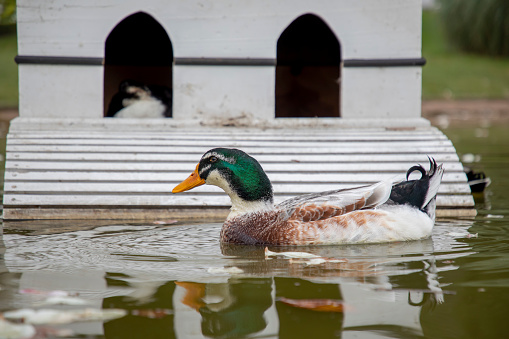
[(389, 210)]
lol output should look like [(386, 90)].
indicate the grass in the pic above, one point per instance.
[(448, 74), (452, 74), (8, 71)]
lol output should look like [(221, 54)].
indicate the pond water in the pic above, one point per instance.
[(176, 279)]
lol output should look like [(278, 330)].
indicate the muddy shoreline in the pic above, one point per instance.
[(467, 113)]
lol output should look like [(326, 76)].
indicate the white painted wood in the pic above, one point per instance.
[(212, 138), (143, 187), (110, 169), (189, 166), (175, 176), (224, 28), (164, 200), (408, 145), (150, 140), (380, 92), (245, 93), (366, 29), (194, 139), (121, 214), (263, 158), (62, 153), (30, 128), (142, 125), (60, 91), (341, 149)]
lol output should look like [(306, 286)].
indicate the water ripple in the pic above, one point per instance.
[(189, 251)]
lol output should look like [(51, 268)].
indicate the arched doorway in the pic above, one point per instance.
[(139, 50), (308, 70)]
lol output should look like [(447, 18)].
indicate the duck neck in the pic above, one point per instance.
[(249, 189), (250, 199), (241, 206)]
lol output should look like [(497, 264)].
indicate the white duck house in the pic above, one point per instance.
[(325, 94)]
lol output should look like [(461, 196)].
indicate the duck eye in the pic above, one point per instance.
[(213, 159)]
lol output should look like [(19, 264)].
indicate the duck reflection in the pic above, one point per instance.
[(238, 308), (364, 267), (374, 284), (230, 310), (381, 288)]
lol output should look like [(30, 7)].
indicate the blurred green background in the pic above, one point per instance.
[(454, 69), (457, 70)]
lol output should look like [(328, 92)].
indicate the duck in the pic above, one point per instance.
[(135, 99), (386, 211), (478, 181)]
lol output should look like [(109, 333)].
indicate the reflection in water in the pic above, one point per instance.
[(230, 310), (295, 322), (241, 313), (158, 323), (470, 313), (8, 280), (166, 283), (236, 308)]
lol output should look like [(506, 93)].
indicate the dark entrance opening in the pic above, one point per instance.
[(138, 49), (308, 70)]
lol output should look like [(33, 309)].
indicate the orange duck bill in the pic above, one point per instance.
[(192, 181)]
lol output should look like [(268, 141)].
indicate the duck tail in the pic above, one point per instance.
[(419, 193)]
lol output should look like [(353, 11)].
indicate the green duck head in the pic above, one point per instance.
[(237, 173)]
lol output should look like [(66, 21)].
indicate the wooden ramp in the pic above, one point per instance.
[(85, 173)]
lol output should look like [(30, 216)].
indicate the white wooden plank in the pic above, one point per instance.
[(178, 176), (230, 143), (219, 132), (141, 187), (164, 200), (339, 149), (94, 130), (143, 138), (263, 158), (213, 214), (183, 166), (222, 133), (294, 188)]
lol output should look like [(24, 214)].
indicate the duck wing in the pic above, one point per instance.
[(323, 205)]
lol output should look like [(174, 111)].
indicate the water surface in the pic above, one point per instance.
[(177, 280)]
